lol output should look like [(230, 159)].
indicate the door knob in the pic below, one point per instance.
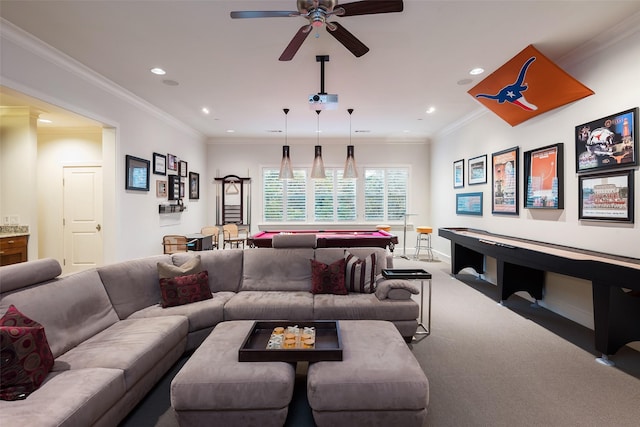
[(98, 227)]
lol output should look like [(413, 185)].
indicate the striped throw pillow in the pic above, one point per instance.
[(360, 274)]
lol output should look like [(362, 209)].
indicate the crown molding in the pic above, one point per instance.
[(29, 42)]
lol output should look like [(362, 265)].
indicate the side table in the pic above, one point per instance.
[(414, 274)]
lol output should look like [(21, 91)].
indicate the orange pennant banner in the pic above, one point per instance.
[(526, 86)]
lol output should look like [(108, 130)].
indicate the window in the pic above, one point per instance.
[(334, 198), (385, 194), (284, 200), (380, 197)]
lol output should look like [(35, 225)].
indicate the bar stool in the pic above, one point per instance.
[(423, 241), (383, 227)]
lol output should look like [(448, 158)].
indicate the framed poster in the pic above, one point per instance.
[(469, 204), (504, 189), (137, 170), (606, 143), (458, 174), (194, 185), (544, 177), (606, 196), (477, 173), (172, 162), (182, 167), (159, 164)]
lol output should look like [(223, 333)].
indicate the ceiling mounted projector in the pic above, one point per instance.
[(323, 101)]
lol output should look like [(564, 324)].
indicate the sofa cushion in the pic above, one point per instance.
[(202, 314), (186, 289), (268, 269), (25, 356), (169, 270), (16, 276), (67, 399), (224, 267), (360, 274), (270, 305), (133, 285), (328, 278), (361, 307), (72, 308), (141, 344)]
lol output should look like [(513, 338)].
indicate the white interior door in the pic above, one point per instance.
[(82, 218)]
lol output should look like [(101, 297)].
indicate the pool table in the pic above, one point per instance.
[(333, 238)]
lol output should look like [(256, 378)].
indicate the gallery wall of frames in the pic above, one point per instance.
[(605, 161), (179, 183)]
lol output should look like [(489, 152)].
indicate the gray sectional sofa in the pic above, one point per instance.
[(112, 340)]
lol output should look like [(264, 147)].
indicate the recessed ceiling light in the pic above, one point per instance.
[(430, 110), (476, 71), (230, 131), (205, 110), (158, 71)]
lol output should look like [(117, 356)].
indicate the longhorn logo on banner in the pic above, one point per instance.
[(526, 86)]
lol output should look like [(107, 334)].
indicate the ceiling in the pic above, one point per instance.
[(418, 58)]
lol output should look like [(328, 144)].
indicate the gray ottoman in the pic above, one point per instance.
[(378, 383), (213, 388)]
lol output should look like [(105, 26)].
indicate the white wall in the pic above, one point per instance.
[(612, 72), (30, 67)]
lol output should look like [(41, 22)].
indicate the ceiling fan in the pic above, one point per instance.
[(317, 12)]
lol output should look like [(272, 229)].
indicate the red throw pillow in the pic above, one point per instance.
[(25, 356), (185, 289), (328, 279), (360, 274)]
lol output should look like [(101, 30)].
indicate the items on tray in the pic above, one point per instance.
[(292, 337)]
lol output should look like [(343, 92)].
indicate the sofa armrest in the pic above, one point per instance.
[(395, 289)]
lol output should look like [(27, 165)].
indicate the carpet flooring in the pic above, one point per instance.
[(488, 365)]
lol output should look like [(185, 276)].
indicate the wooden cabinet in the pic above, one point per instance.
[(13, 250)]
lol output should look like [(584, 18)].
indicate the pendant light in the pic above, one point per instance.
[(317, 170), (286, 171), (350, 169)]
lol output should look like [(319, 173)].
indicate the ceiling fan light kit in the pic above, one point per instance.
[(316, 12)]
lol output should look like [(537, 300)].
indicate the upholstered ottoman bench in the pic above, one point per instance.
[(378, 383), (214, 388)]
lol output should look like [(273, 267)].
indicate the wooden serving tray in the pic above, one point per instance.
[(328, 345)]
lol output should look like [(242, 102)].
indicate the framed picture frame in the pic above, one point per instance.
[(159, 164), (137, 171), (477, 170), (174, 187), (182, 193), (607, 143), (172, 162), (194, 185), (458, 174), (161, 188), (544, 177), (606, 196), (182, 169), (469, 203), (504, 185)]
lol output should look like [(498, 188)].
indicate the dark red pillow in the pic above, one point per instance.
[(185, 289), (328, 278), (25, 356)]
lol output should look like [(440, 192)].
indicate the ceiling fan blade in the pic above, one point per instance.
[(347, 39), (371, 7), (264, 14), (295, 43)]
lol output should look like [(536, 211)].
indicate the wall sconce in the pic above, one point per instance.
[(286, 171), (317, 170), (350, 168)]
